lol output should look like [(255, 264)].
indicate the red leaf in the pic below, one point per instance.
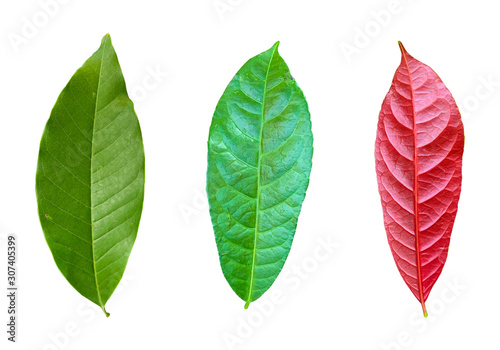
[(418, 153)]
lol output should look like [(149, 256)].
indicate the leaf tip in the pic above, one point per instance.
[(276, 44), (105, 38), (402, 48)]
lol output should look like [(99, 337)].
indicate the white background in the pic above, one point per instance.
[(173, 295)]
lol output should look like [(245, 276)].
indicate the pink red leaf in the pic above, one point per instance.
[(418, 153)]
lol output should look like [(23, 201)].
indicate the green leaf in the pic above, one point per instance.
[(90, 177), (259, 161)]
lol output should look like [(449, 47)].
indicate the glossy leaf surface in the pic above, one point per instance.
[(90, 177), (418, 152), (259, 161)]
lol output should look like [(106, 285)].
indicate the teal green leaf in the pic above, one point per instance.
[(90, 177), (259, 161)]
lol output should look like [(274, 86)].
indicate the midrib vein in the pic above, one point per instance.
[(259, 168), (91, 171), (415, 187)]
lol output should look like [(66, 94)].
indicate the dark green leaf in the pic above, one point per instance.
[(90, 177), (259, 161)]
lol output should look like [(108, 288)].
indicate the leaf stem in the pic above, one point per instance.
[(105, 312)]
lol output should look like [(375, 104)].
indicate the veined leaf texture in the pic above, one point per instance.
[(418, 152), (90, 177), (259, 160)]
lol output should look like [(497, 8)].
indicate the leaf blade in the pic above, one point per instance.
[(83, 185), (261, 113), (418, 154)]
